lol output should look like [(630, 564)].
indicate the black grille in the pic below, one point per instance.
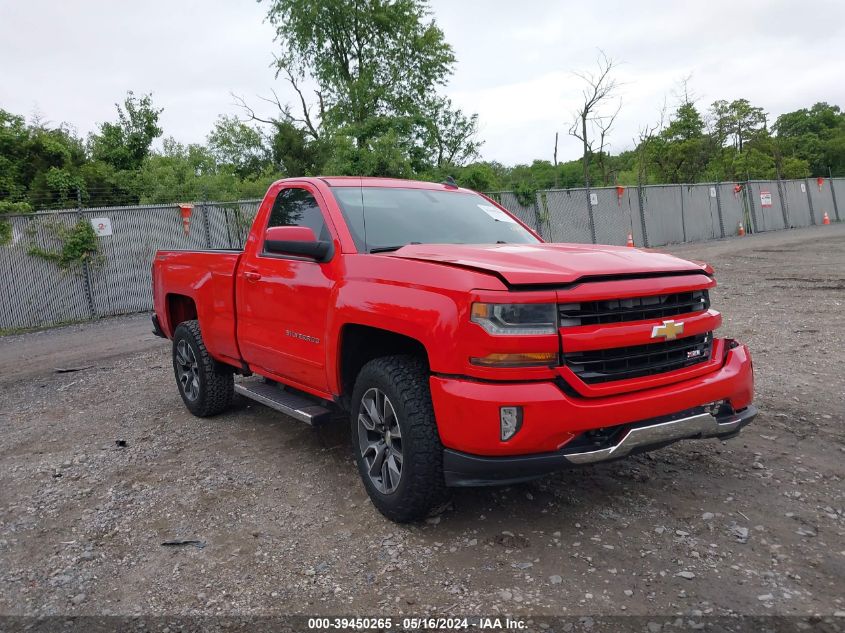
[(619, 363), (632, 309)]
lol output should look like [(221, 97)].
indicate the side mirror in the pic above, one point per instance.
[(298, 241)]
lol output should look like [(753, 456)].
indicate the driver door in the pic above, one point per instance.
[(283, 300)]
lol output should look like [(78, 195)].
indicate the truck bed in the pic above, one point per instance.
[(207, 278)]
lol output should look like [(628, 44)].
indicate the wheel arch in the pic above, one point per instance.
[(359, 344), (179, 308)]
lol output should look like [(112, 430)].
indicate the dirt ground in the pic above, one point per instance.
[(101, 466)]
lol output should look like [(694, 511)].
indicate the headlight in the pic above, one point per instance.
[(516, 318)]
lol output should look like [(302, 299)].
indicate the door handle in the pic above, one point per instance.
[(251, 275)]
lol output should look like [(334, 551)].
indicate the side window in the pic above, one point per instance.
[(297, 207)]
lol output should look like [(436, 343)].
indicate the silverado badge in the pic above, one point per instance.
[(669, 330)]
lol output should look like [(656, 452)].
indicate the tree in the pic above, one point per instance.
[(599, 88), (15, 140), (377, 66), (738, 121), (369, 59), (191, 172), (294, 152), (815, 136), (38, 162), (126, 143), (448, 135), (237, 145), (680, 152)]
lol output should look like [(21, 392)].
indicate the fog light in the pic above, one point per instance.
[(510, 421)]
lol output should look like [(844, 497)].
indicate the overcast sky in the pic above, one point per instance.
[(71, 61)]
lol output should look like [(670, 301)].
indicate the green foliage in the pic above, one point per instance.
[(378, 66), (479, 177), (370, 59), (525, 194), (77, 244), (295, 153), (385, 155), (815, 136), (190, 172), (239, 147), (126, 143), (36, 162), (681, 151), (13, 208), (5, 232)]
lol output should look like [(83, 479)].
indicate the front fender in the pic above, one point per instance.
[(426, 315)]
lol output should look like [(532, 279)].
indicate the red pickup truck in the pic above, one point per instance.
[(465, 350)]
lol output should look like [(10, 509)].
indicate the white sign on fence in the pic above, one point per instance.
[(102, 226), (803, 188), (765, 198), (594, 199), (712, 192)]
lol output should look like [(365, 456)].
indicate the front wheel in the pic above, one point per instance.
[(395, 439), (206, 386)]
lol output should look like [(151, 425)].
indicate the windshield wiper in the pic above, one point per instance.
[(387, 249)]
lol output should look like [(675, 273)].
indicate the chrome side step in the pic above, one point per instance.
[(297, 406)]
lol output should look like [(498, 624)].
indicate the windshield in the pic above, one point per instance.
[(383, 219)]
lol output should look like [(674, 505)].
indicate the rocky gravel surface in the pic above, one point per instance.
[(115, 500)]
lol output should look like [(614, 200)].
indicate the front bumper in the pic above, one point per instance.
[(555, 415), (462, 469)]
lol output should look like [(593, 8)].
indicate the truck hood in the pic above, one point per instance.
[(524, 264)]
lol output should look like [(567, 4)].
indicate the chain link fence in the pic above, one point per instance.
[(656, 215), (37, 292)]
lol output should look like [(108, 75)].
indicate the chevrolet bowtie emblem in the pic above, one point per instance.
[(669, 330)]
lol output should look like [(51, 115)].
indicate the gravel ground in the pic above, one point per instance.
[(101, 466)]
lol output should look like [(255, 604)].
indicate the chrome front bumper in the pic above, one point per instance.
[(697, 426), (463, 469)]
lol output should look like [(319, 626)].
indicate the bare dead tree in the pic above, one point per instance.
[(642, 142), (604, 124), (306, 120), (682, 93), (599, 87), (250, 113)]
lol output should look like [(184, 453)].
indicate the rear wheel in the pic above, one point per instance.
[(206, 386), (395, 440)]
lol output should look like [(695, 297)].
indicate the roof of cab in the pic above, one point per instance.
[(385, 183)]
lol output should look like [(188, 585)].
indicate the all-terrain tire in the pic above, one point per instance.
[(421, 488), (213, 389)]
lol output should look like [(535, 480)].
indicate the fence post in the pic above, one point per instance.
[(752, 214), (86, 269), (833, 194), (784, 205), (538, 217), (590, 215), (205, 227), (642, 214), (810, 201), (719, 209), (683, 219)]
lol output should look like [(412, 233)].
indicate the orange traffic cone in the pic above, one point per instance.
[(630, 241), (826, 218), (741, 230)]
